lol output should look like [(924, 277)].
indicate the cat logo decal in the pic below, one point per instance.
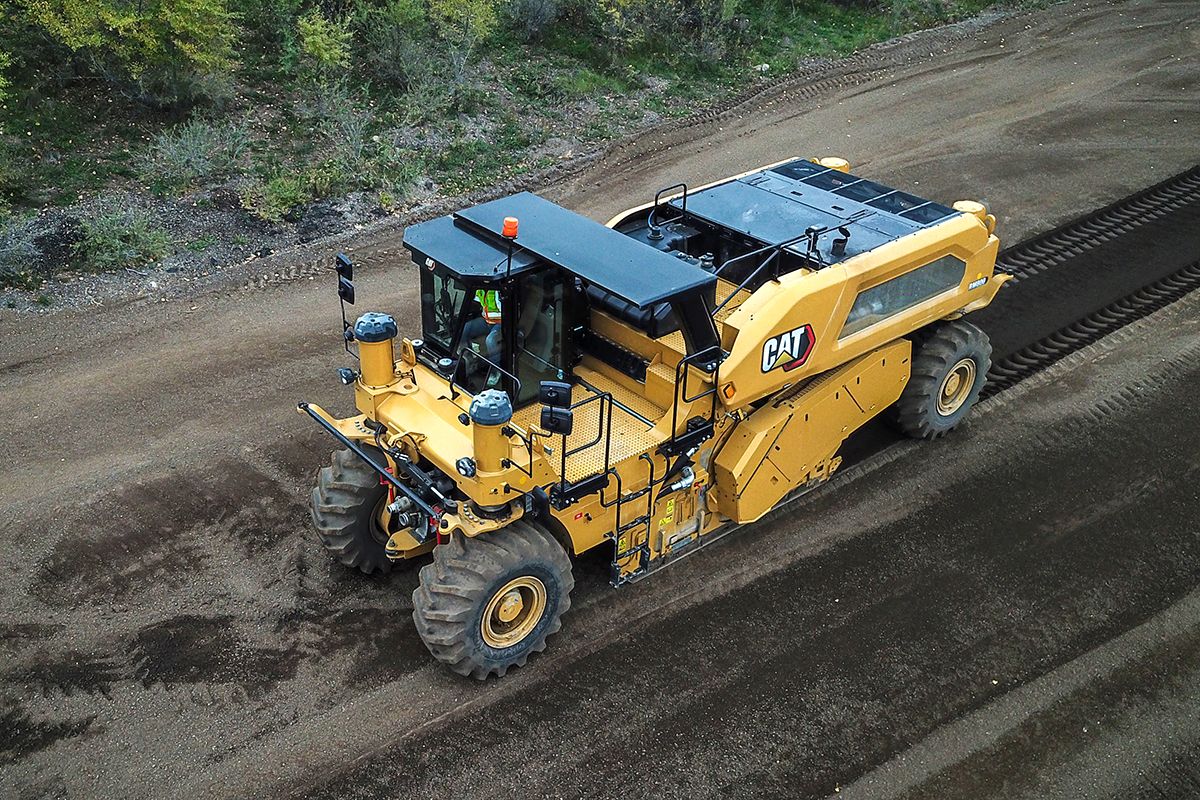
[(788, 350)]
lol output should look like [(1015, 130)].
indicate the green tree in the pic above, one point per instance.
[(394, 44), (5, 63), (166, 52), (463, 24), (325, 45)]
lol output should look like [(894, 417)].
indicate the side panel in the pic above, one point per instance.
[(792, 441), (809, 309)]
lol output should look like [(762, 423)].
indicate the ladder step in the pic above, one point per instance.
[(629, 498), (642, 520)]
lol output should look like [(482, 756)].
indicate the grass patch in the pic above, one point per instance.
[(119, 239), (470, 164), (201, 244), (54, 148)]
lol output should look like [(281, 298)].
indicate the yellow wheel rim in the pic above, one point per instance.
[(956, 387), (513, 612)]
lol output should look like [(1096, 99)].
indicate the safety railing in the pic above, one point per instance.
[(651, 219), (568, 491), (773, 251), (680, 442)]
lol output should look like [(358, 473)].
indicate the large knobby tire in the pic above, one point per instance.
[(949, 368), (486, 603), (346, 504)]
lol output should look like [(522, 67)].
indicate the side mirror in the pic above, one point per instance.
[(554, 393), (345, 290), (558, 420), (344, 266)]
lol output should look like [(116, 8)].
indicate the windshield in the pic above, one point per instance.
[(441, 308)]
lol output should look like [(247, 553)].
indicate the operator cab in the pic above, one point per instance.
[(498, 329), (509, 313)]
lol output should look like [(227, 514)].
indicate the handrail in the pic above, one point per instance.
[(527, 440), (681, 379), (617, 403), (657, 195), (620, 499), (745, 283), (604, 431), (619, 502), (812, 234)]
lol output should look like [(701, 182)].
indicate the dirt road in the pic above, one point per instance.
[(978, 575), (171, 628)]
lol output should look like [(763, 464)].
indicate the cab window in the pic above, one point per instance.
[(442, 299), (472, 323)]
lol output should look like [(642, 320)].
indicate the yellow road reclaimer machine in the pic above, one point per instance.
[(642, 385)]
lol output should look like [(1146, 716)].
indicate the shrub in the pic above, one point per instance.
[(274, 199), (530, 19), (5, 63), (394, 37), (662, 24), (272, 21), (324, 180), (19, 253), (114, 238), (908, 14), (346, 129), (324, 46), (462, 25), (195, 152)]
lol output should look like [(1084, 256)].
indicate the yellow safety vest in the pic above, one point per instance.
[(489, 301)]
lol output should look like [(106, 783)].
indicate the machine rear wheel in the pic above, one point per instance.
[(346, 504), (486, 603), (949, 369)]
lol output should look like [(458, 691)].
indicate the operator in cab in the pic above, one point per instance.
[(482, 332)]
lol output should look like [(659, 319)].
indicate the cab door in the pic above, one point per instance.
[(540, 336)]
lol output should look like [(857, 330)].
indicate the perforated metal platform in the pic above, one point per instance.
[(631, 436)]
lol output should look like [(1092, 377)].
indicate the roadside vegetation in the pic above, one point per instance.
[(122, 123)]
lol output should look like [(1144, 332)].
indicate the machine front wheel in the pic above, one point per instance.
[(346, 505), (949, 369), (486, 603)]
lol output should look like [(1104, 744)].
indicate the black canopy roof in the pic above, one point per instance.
[(469, 244), (779, 204), (463, 251)]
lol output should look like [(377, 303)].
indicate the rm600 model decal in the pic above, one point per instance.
[(788, 350)]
